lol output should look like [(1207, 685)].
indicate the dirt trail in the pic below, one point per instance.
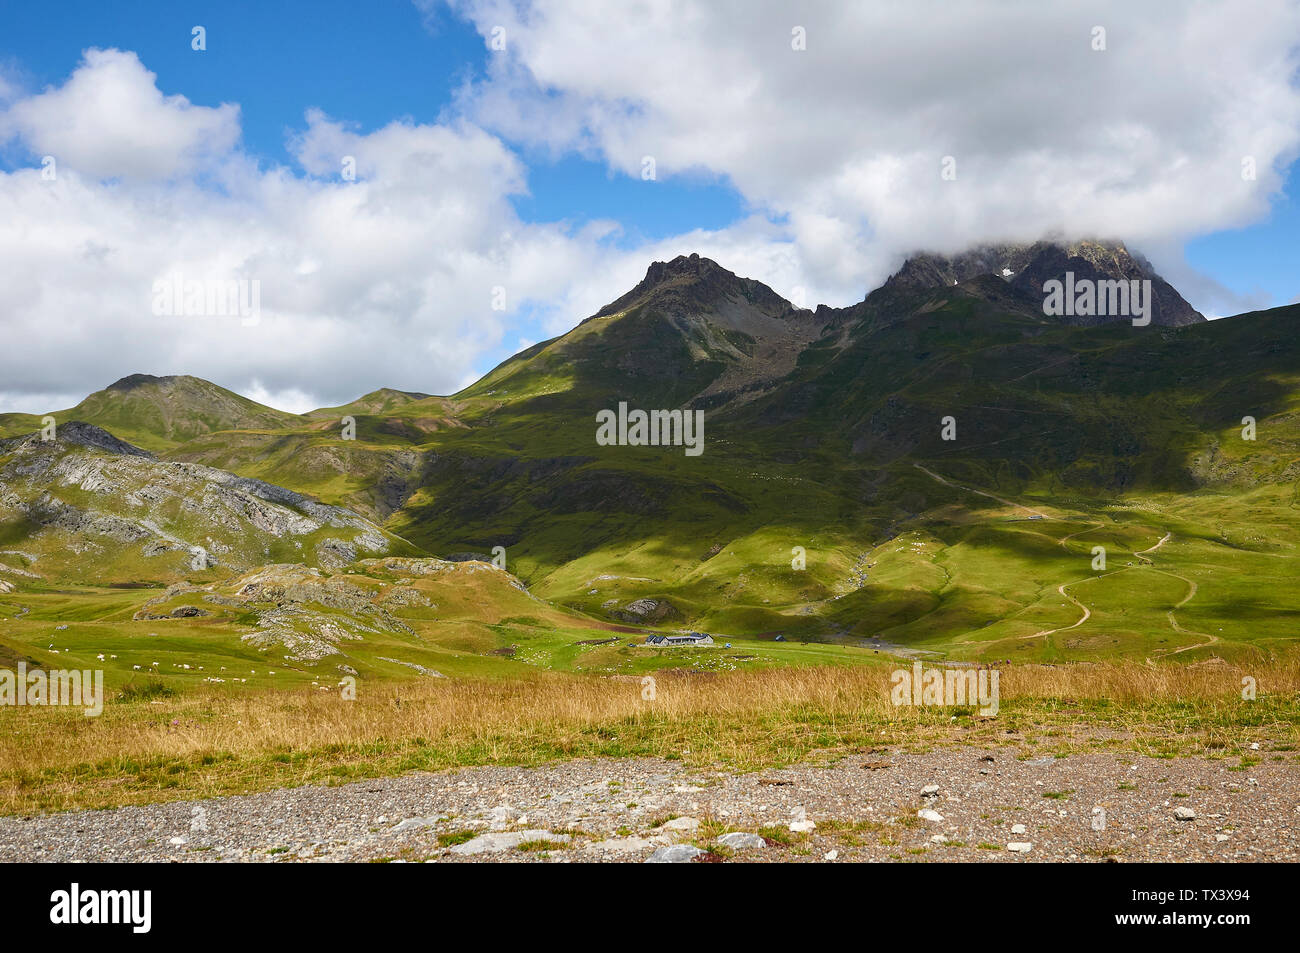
[(1191, 591), (1087, 613), (1142, 554), (1091, 526), (958, 486), (1148, 564)]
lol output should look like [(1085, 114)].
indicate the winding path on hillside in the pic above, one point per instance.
[(1091, 526), (958, 486), (1146, 563), (1191, 591), (1087, 613), (1142, 556)]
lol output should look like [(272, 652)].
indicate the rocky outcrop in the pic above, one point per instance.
[(299, 609), (645, 611), (1025, 268), (87, 489)]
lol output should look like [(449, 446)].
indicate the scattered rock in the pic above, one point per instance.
[(500, 816), (1184, 813), (432, 673), (1020, 847), (676, 854), (625, 845), (505, 840), (741, 840)]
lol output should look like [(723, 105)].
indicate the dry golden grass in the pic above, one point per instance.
[(217, 742)]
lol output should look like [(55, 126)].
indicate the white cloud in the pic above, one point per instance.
[(111, 121), (387, 280), (291, 399), (844, 141)]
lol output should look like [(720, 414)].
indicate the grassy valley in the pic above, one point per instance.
[(1097, 508)]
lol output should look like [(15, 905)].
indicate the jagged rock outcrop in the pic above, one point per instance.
[(1025, 268), (86, 491)]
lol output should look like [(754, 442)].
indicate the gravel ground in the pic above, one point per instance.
[(865, 808)]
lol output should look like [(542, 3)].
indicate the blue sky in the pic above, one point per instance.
[(1261, 260), (798, 171), (372, 63), (364, 63)]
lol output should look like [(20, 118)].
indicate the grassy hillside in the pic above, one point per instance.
[(979, 547), (1098, 504), (160, 413)]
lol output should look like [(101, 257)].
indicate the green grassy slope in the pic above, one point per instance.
[(978, 547), (160, 413)]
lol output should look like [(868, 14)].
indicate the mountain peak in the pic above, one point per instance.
[(133, 381), (691, 265), (1025, 267), (161, 412), (693, 283)]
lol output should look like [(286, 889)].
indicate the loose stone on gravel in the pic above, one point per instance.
[(505, 840), (626, 845), (677, 854), (741, 840), (604, 810), (801, 824)]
